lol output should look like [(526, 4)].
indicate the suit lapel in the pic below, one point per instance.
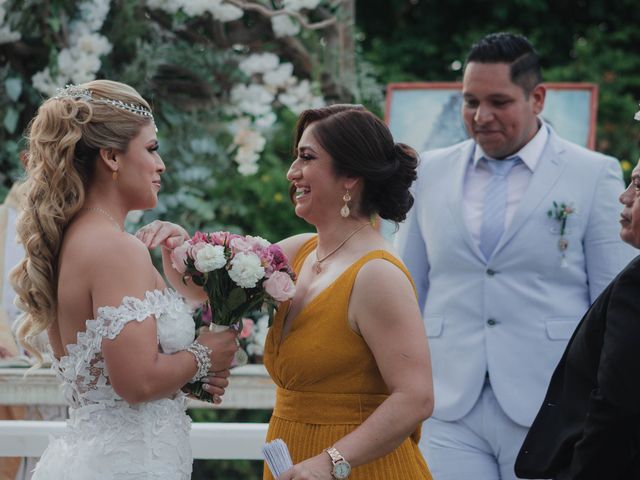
[(457, 174), (551, 165)]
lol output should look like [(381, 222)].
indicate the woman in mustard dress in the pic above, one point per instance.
[(348, 353)]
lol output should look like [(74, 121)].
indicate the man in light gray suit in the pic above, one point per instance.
[(512, 236)]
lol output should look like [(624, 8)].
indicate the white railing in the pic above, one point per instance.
[(250, 388), (216, 441)]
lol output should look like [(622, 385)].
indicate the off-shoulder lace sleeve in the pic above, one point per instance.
[(84, 371), (111, 320)]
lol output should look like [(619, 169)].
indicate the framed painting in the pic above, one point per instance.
[(426, 115)]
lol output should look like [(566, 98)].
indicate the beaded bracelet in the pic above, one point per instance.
[(202, 353)]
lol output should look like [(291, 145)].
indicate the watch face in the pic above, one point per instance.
[(341, 470)]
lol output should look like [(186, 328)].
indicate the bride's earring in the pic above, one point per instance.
[(344, 211)]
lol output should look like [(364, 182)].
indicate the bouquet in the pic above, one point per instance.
[(239, 274)]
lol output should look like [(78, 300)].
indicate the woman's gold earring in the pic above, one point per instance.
[(344, 211), (114, 175)]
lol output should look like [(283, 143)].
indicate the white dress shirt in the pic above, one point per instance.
[(478, 176)]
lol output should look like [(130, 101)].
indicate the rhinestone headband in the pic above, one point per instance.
[(74, 91)]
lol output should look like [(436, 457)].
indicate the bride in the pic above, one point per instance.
[(123, 344)]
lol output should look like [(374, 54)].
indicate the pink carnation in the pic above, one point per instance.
[(280, 286), (266, 258), (243, 244), (219, 238), (278, 258), (199, 237)]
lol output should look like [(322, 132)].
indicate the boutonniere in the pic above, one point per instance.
[(561, 212)]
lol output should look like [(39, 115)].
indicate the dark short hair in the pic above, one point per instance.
[(515, 50), (361, 145)]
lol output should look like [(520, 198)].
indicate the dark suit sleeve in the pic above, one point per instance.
[(609, 442)]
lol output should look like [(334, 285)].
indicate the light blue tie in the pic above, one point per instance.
[(495, 204)]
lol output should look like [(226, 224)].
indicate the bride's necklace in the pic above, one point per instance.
[(316, 265), (106, 214)]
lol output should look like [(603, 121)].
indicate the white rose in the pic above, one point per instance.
[(246, 270), (209, 258)]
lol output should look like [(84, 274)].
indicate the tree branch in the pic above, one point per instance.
[(262, 10)]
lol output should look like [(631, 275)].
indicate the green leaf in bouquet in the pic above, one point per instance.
[(236, 299), (199, 280), (255, 303), (220, 313)]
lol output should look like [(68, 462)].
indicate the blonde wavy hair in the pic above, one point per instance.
[(64, 140)]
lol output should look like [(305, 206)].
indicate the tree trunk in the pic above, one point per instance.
[(338, 79)]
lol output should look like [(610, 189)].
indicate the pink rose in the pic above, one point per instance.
[(280, 286), (247, 327), (179, 257)]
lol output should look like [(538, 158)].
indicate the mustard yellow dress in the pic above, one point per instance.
[(328, 381)]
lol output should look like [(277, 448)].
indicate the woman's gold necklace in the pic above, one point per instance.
[(316, 265), (106, 214)]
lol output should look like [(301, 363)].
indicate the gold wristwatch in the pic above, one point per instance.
[(341, 468)]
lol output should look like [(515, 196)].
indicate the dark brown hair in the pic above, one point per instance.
[(361, 145), (514, 50)]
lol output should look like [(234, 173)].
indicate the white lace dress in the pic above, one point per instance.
[(106, 438)]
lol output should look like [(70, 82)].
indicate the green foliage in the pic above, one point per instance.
[(186, 74)]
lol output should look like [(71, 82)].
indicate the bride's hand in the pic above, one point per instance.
[(159, 232), (223, 347), (215, 384)]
